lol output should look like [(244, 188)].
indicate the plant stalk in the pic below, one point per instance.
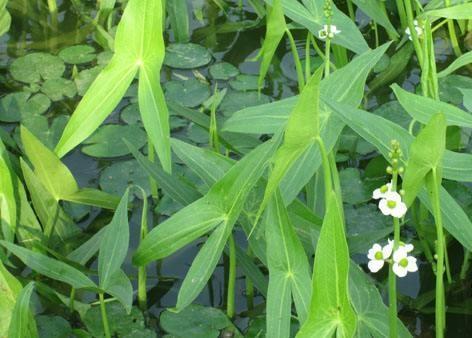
[(103, 310), (296, 59), (392, 280), (231, 277)]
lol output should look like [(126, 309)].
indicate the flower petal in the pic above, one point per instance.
[(384, 207), (387, 250), (399, 254), (412, 266), (377, 194), (375, 265), (398, 270), (409, 247)]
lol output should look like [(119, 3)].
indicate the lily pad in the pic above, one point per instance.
[(39, 126), (195, 321), (85, 78), (189, 93), (450, 88), (234, 101), (15, 107), (130, 114), (117, 177), (107, 141), (121, 323), (37, 66), (53, 327), (186, 56), (244, 82), (223, 71), (354, 191), (57, 89), (78, 54)]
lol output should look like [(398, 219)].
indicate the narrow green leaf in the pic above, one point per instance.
[(29, 231), (251, 271), (183, 227), (426, 153), (50, 267), (303, 128), (275, 30), (457, 12), (88, 249), (178, 15), (288, 267), (331, 312), (461, 61), (377, 13), (422, 108), (8, 207), (120, 287), (172, 186), (114, 245), (10, 287), (22, 321), (93, 197)]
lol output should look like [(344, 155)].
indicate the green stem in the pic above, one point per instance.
[(328, 182), (465, 264), (414, 34), (231, 277), (452, 32), (440, 304), (307, 58), (327, 54), (71, 300), (249, 287), (52, 5), (142, 272), (392, 280), (296, 59), (152, 182), (401, 13), (103, 310), (350, 9), (376, 34)]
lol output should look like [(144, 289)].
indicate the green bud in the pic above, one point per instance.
[(402, 192), (401, 170), (389, 170)]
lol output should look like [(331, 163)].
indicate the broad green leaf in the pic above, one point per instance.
[(302, 131), (377, 13), (310, 15), (5, 18), (176, 189), (275, 30), (289, 270), (52, 173), (88, 249), (372, 314), (179, 19), (50, 267), (185, 226), (461, 61), (8, 207), (10, 287), (22, 321), (28, 230), (426, 153), (423, 108), (114, 245), (379, 132), (93, 197), (52, 217), (457, 12), (331, 312), (120, 287)]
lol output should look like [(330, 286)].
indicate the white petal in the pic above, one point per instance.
[(393, 196), (409, 247), (377, 194), (412, 266), (400, 210), (384, 207), (399, 254), (375, 265), (371, 254), (398, 270), (387, 250)]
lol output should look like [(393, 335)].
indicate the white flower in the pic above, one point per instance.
[(382, 191), (419, 30), (331, 32), (402, 263), (377, 256), (392, 205)]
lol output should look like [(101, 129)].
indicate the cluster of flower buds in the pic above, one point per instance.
[(401, 260), (418, 29), (328, 31)]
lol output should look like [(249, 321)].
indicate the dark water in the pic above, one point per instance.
[(33, 30)]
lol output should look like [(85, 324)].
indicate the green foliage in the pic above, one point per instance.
[(22, 322)]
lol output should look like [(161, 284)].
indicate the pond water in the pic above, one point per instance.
[(33, 31)]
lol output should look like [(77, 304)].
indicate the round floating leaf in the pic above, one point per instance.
[(288, 65), (186, 56), (121, 324), (234, 101), (77, 54), (352, 186), (56, 89), (195, 321), (85, 78), (53, 327), (223, 71), (394, 112), (36, 66), (244, 82), (107, 141), (117, 177), (189, 93), (130, 114), (450, 88), (39, 126), (15, 107), (197, 134)]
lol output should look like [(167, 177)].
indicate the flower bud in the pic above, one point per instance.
[(389, 170)]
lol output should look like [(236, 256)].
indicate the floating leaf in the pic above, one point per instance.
[(245, 82), (116, 178), (77, 54), (223, 71), (5, 18), (37, 66), (107, 141), (15, 107), (189, 93), (56, 89), (235, 101), (85, 79), (186, 56), (53, 327), (352, 187)]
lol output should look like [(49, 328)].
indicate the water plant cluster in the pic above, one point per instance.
[(260, 168)]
